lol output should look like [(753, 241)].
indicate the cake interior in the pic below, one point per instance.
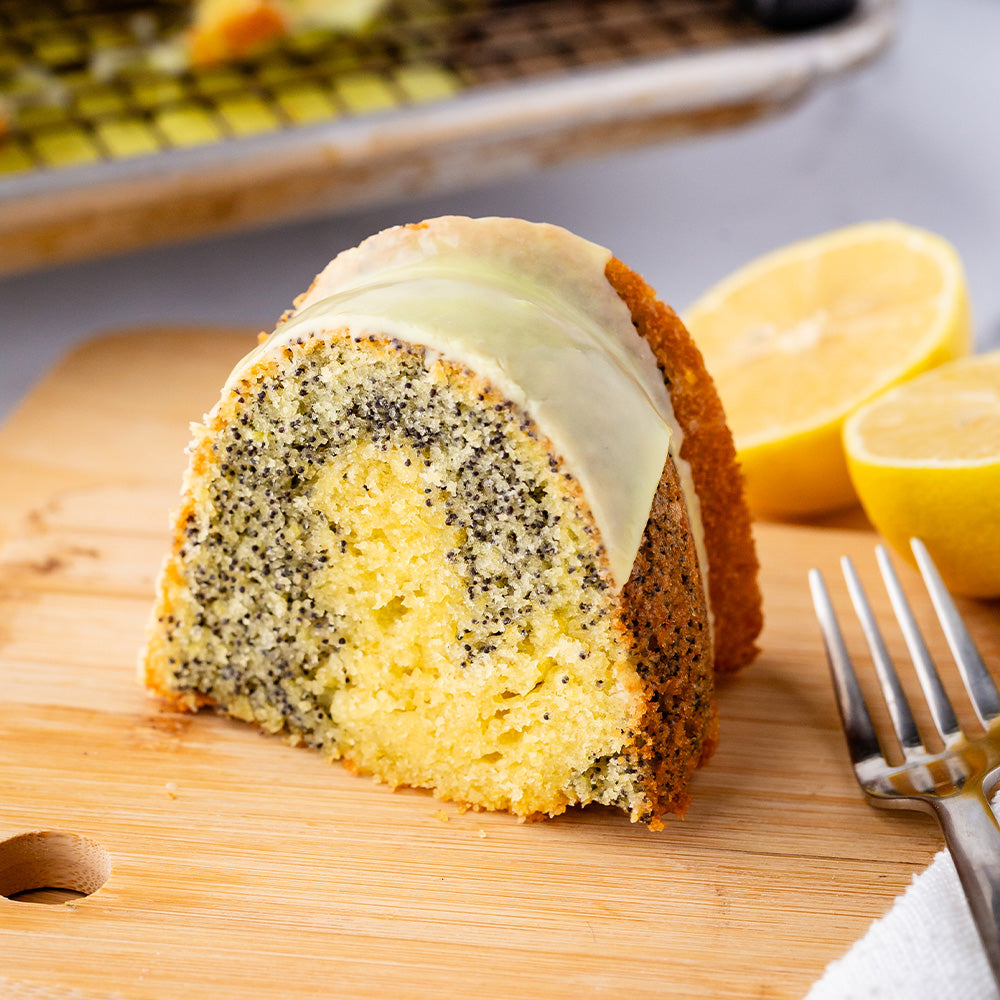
[(382, 558)]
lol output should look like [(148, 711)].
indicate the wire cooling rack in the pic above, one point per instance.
[(113, 140)]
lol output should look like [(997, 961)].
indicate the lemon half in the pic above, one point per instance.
[(800, 337), (925, 460)]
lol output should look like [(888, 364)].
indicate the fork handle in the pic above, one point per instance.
[(972, 833)]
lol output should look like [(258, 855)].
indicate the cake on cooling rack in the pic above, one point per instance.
[(221, 30)]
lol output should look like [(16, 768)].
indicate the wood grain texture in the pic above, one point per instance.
[(242, 866)]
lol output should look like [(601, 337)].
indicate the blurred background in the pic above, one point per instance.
[(893, 116)]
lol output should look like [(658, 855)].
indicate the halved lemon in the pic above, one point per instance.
[(925, 460), (800, 337)]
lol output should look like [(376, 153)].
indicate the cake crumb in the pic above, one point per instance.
[(442, 816), (171, 787)]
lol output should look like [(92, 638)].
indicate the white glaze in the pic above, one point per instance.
[(528, 307)]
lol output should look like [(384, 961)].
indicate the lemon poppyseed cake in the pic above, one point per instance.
[(235, 29), (469, 520)]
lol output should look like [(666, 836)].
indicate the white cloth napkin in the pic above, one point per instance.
[(926, 946)]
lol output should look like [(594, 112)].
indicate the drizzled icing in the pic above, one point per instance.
[(527, 307)]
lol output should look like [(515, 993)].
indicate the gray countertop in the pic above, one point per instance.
[(913, 136)]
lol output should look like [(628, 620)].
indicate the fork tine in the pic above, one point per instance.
[(982, 691), (862, 741), (940, 705), (951, 784), (899, 707)]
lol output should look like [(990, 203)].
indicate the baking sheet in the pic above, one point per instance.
[(105, 143)]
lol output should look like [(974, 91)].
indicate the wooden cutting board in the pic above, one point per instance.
[(240, 866)]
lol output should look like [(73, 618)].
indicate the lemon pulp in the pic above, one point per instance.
[(800, 337), (925, 460)]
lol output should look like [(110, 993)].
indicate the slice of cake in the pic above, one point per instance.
[(459, 524), (235, 29)]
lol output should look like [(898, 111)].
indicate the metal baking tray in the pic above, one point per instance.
[(108, 147)]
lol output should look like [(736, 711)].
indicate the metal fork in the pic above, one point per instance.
[(951, 784)]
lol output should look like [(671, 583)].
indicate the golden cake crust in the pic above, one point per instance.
[(664, 611), (708, 447)]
